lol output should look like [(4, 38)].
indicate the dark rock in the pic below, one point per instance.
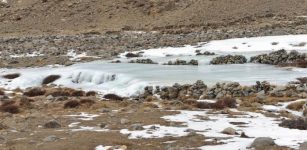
[(52, 124)]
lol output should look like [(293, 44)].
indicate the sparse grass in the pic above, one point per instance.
[(113, 97), (150, 105), (51, 79), (71, 104), (11, 76), (59, 92)]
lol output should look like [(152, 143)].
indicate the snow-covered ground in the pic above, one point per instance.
[(255, 125), (238, 45)]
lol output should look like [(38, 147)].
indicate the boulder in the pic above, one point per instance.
[(229, 131), (262, 143)]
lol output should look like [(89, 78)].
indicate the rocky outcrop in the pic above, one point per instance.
[(177, 91), (278, 57), (229, 59), (206, 53), (200, 90), (143, 61), (182, 62)]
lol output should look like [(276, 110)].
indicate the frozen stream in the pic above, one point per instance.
[(128, 79)]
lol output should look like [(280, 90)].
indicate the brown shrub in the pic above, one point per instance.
[(11, 76), (296, 105), (91, 93), (87, 101), (78, 93), (72, 104), (226, 102), (222, 103), (9, 107), (34, 92), (50, 79), (113, 97)]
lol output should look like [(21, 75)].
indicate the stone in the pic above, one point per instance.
[(137, 126), (102, 125), (50, 138), (229, 131), (2, 139), (50, 98), (124, 121), (52, 124), (262, 143), (261, 95)]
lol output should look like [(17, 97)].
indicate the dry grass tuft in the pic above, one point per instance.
[(77, 93), (71, 104), (113, 97), (35, 92), (296, 105)]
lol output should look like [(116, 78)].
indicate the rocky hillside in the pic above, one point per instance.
[(38, 17)]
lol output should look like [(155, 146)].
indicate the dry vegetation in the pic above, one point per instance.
[(226, 102)]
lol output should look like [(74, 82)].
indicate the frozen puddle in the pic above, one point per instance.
[(128, 79), (256, 125)]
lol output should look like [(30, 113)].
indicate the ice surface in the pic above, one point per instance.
[(130, 79)]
